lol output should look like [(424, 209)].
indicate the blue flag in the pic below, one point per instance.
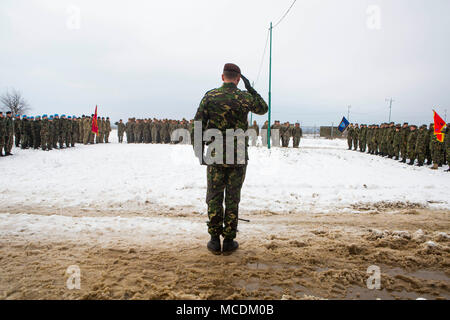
[(343, 125)]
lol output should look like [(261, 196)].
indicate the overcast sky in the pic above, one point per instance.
[(158, 58)]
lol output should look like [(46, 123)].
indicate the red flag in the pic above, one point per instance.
[(439, 124), (94, 123)]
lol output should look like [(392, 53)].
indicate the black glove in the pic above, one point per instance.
[(247, 84)]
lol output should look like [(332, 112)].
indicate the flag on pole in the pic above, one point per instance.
[(439, 125), (94, 122), (343, 125)]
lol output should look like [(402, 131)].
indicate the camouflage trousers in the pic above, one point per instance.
[(362, 145), (355, 143), (220, 180), (349, 142), (2, 144), (403, 150), (296, 142), (17, 141), (396, 150), (421, 154), (437, 153)]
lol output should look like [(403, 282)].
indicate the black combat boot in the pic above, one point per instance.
[(229, 245), (411, 162), (8, 154), (214, 245)]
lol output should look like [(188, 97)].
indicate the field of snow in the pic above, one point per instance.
[(321, 176)]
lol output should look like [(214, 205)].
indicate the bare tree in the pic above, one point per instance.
[(14, 102)]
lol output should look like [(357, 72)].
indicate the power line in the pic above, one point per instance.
[(264, 54), (286, 13)]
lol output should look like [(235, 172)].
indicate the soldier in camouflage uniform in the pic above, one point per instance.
[(286, 133), (155, 131), (421, 145), (256, 128), (75, 130), (45, 134), (2, 133), (362, 138), (120, 130), (107, 129), (69, 132), (447, 145), (404, 141), (427, 146), (437, 151), (37, 132), (98, 136), (355, 137), (17, 129), (26, 130), (411, 144), (296, 135), (225, 108), (350, 130), (397, 141), (390, 140)]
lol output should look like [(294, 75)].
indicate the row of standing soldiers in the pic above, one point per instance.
[(160, 131), (396, 141), (47, 132), (150, 130), (285, 131)]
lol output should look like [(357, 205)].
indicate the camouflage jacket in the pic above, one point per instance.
[(412, 138), (9, 126), (397, 138), (45, 127), (228, 107), (421, 140), (297, 132), (404, 136), (2, 127)]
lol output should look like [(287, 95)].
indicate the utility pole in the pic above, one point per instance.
[(251, 113), (270, 88), (390, 107), (348, 113)]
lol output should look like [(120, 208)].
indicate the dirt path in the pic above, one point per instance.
[(290, 256)]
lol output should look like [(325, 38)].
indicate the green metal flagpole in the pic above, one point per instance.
[(270, 87)]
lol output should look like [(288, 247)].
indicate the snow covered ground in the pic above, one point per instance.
[(321, 176)]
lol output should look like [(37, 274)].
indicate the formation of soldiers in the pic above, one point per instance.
[(401, 142), (160, 130), (150, 130), (49, 132), (286, 131)]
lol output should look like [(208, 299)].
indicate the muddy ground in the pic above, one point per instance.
[(281, 256)]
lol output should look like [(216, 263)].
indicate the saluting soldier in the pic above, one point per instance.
[(225, 108)]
